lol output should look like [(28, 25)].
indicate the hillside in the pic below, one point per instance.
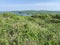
[(38, 29)]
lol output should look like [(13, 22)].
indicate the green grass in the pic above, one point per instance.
[(39, 29)]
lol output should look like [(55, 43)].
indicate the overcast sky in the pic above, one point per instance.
[(10, 5)]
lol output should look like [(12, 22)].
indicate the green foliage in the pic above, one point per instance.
[(38, 29)]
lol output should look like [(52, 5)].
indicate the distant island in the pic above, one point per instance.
[(30, 12)]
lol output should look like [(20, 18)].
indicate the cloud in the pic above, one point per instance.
[(34, 6)]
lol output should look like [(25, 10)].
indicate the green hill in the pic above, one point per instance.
[(38, 29)]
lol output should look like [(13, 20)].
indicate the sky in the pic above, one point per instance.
[(13, 5)]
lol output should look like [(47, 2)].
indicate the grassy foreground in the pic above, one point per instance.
[(39, 29)]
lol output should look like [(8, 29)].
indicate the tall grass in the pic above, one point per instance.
[(39, 29)]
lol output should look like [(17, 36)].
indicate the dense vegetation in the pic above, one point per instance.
[(38, 29)]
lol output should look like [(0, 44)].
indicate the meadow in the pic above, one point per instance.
[(37, 29)]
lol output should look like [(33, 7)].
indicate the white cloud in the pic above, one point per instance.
[(35, 6)]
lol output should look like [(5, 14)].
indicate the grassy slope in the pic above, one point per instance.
[(40, 29)]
